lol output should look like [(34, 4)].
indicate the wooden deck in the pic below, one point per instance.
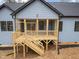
[(43, 37), (32, 35)]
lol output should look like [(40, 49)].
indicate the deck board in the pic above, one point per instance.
[(43, 37)]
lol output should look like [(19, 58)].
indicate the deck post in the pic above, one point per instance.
[(25, 28), (47, 23), (55, 32), (57, 48), (14, 47), (24, 50), (46, 45), (37, 25), (17, 49), (16, 25)]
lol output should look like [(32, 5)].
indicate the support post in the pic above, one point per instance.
[(47, 24), (24, 51), (55, 32), (37, 25), (14, 47), (16, 25), (17, 49), (25, 28), (57, 48), (46, 45)]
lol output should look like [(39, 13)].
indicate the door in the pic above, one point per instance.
[(31, 25), (21, 25)]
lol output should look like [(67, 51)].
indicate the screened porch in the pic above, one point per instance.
[(44, 28)]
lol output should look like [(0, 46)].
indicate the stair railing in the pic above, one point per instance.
[(36, 42), (39, 44), (16, 35)]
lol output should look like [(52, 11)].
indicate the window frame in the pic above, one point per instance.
[(75, 27), (6, 26), (51, 25), (3, 25), (9, 26), (60, 26), (42, 25)]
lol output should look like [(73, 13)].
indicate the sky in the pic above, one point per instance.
[(2, 1), (54, 0), (47, 0)]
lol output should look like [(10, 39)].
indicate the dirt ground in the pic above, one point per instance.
[(66, 52)]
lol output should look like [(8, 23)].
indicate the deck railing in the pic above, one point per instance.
[(38, 43), (41, 32), (17, 34), (34, 33)]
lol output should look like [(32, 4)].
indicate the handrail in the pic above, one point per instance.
[(17, 34), (38, 43), (31, 43)]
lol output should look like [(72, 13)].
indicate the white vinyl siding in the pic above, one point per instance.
[(6, 36), (68, 34), (37, 8)]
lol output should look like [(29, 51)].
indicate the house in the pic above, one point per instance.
[(37, 20)]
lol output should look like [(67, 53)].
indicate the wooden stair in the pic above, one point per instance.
[(28, 40), (35, 46)]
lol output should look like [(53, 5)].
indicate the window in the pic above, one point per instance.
[(3, 26), (42, 25), (76, 26), (10, 26), (60, 25), (6, 25), (51, 25), (31, 26)]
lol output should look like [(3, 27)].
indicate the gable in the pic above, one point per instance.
[(37, 8), (5, 14)]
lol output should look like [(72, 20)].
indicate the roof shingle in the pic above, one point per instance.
[(67, 9)]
